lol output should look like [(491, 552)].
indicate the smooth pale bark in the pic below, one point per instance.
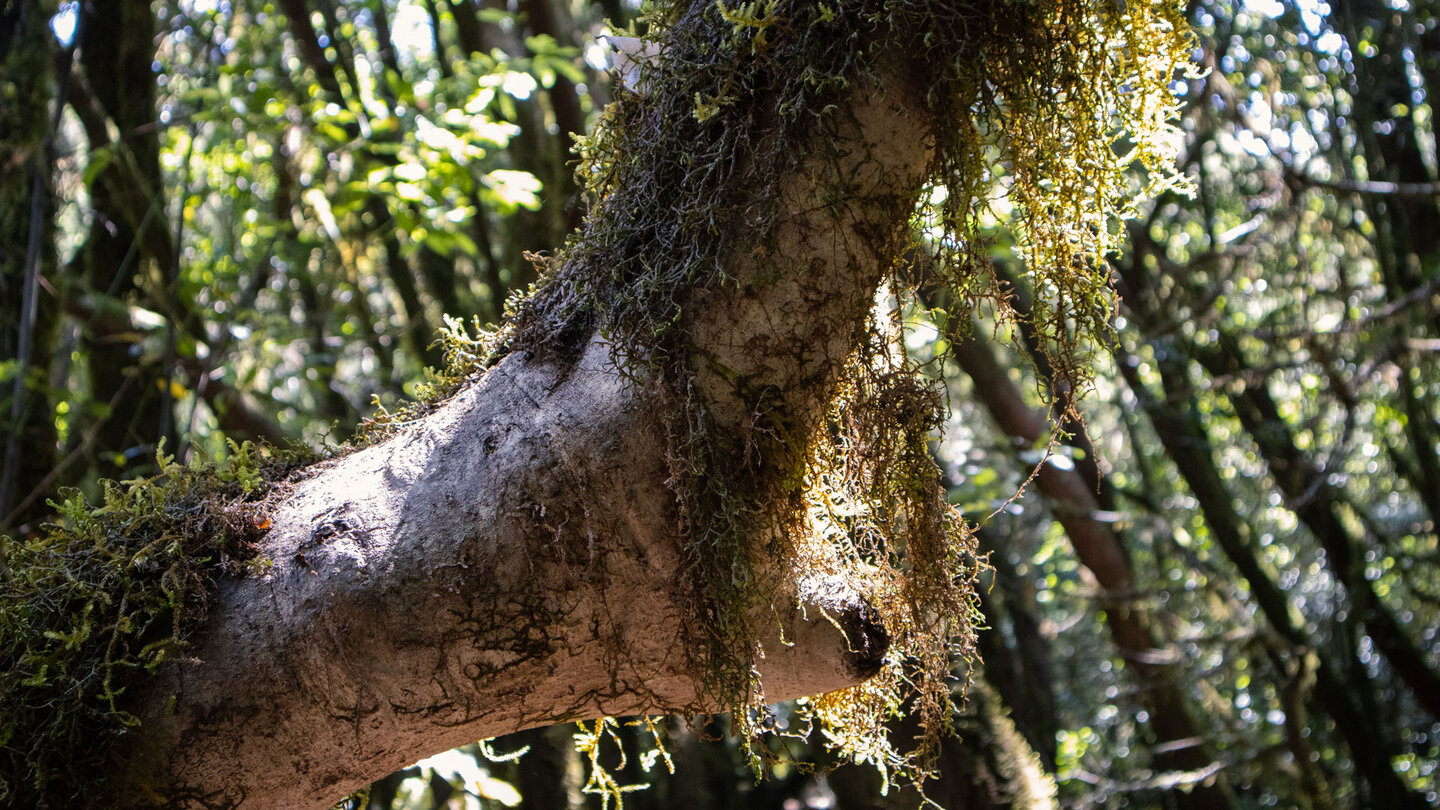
[(514, 559)]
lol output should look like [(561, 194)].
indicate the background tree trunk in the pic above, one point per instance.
[(29, 313), (127, 252)]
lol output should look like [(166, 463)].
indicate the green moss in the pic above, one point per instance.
[(467, 353), (101, 600)]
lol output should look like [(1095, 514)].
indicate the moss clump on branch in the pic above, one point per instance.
[(1039, 114), (98, 602)]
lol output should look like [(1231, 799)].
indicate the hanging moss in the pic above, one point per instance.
[(1053, 116)]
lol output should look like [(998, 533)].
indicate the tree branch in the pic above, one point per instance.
[(514, 559)]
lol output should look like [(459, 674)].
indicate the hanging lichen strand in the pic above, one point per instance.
[(1049, 106)]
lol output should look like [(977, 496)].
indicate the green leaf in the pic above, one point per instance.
[(513, 188), (331, 132), (99, 159)]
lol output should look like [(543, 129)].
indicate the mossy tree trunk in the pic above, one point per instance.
[(691, 473)]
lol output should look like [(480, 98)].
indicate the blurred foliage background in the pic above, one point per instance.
[(247, 218)]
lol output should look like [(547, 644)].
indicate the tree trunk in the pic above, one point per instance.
[(128, 239), (514, 559), (1179, 741), (1179, 427), (28, 315)]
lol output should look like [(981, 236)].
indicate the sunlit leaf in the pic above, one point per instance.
[(515, 188)]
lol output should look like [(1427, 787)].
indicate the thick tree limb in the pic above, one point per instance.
[(513, 559)]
